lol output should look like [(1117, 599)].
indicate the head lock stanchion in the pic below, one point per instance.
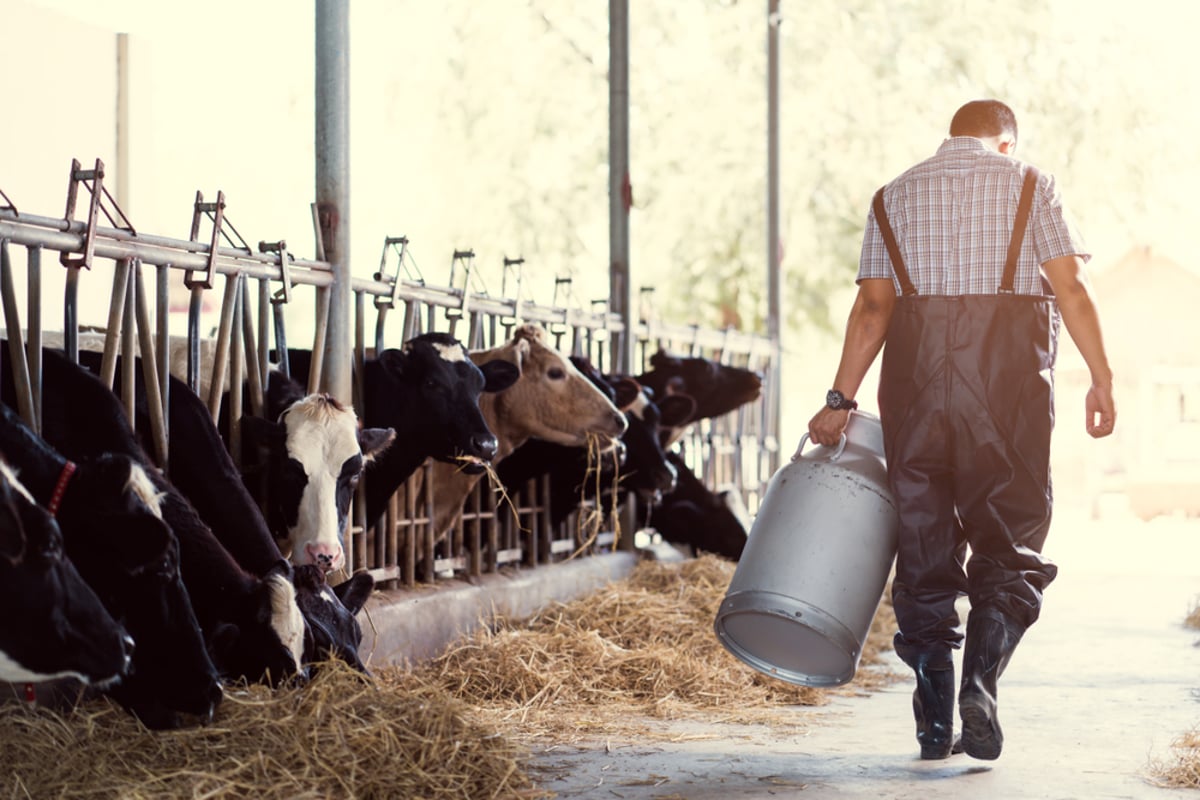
[(463, 260)]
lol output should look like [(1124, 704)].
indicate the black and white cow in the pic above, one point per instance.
[(333, 630), (716, 388), (428, 392), (251, 623), (52, 624), (201, 468), (315, 455), (695, 516), (108, 511)]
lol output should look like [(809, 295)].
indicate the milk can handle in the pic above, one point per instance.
[(837, 452)]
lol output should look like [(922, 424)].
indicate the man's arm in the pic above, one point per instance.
[(865, 331), (1074, 294)]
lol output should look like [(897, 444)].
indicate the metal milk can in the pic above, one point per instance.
[(819, 554)]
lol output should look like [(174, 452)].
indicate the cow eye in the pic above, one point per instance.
[(556, 373)]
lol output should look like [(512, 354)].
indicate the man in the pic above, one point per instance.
[(965, 280)]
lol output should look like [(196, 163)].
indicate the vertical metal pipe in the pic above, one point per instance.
[(122, 194), (162, 306), (332, 105), (33, 346), (773, 245), (16, 351), (620, 191)]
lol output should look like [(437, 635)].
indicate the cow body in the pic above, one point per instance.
[(62, 629), (114, 534), (551, 401), (716, 388), (251, 624), (200, 467), (428, 391), (695, 516)]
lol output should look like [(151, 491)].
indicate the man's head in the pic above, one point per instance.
[(989, 120)]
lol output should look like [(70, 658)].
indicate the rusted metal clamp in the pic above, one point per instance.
[(467, 259), (400, 245), (8, 204), (93, 181), (284, 293), (220, 230)]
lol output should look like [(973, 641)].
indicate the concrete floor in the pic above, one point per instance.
[(1098, 690)]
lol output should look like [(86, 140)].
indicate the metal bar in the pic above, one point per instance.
[(264, 331), (195, 306), (16, 349), (116, 314), (33, 347), (162, 353), (236, 346), (359, 352), (128, 348), (774, 329), (71, 315), (254, 376), (620, 190), (221, 358), (332, 152), (123, 120), (316, 370), (281, 353)]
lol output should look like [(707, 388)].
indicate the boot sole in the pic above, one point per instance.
[(981, 735)]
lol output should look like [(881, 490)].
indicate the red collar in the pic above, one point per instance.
[(60, 488)]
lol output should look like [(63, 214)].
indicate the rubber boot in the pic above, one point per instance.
[(933, 699), (991, 640)]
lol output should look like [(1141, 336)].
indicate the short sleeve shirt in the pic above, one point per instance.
[(953, 217)]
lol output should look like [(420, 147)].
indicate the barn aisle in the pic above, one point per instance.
[(1096, 694)]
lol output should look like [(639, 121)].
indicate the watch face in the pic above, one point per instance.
[(834, 398)]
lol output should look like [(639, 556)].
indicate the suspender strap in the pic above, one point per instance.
[(889, 239), (1018, 234)]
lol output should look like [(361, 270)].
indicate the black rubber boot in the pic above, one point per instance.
[(933, 699), (991, 640)]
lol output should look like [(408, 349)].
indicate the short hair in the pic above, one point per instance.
[(984, 118)]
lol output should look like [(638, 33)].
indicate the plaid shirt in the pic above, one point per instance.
[(953, 215)]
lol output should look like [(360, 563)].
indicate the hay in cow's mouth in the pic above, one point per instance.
[(342, 735), (471, 465), (641, 647)]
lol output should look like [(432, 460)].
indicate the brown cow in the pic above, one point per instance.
[(552, 400)]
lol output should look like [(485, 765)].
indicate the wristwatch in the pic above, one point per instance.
[(837, 401)]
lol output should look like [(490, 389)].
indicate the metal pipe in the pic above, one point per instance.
[(773, 238), (33, 346), (128, 348), (332, 151), (221, 357), (122, 194), (162, 305), (620, 191), (16, 350), (116, 316)]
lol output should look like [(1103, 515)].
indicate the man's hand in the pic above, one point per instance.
[(828, 426), (1101, 410)]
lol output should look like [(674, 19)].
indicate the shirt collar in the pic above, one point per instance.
[(961, 144)]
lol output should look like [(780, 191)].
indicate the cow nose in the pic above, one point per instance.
[(484, 446), (127, 647), (327, 557)]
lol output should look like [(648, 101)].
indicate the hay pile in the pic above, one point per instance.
[(342, 736), (643, 647), (1183, 771)]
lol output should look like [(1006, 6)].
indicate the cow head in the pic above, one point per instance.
[(55, 625), (441, 387), (716, 388), (317, 454), (552, 400), (332, 629), (647, 470), (266, 641)]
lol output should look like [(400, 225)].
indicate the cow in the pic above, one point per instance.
[(315, 456), (109, 514), (552, 401), (251, 623), (201, 468), (716, 388), (332, 629), (428, 391), (54, 625), (643, 467), (697, 517)]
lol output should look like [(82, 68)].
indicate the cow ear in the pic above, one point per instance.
[(373, 441), (143, 540), (662, 359), (676, 409), (281, 567), (354, 592), (392, 360), (498, 375), (282, 392), (627, 392)]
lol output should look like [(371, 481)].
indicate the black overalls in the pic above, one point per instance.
[(966, 398)]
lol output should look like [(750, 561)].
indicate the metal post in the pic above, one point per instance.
[(332, 84), (774, 253), (123, 120), (620, 191)]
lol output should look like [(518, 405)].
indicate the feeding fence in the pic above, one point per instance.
[(266, 290)]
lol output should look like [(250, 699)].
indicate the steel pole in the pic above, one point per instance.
[(332, 85), (620, 192), (774, 247)]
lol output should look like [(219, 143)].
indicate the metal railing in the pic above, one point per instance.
[(260, 292)]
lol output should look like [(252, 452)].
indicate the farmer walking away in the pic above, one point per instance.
[(968, 261)]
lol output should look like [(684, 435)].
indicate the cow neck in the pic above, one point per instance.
[(60, 488)]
